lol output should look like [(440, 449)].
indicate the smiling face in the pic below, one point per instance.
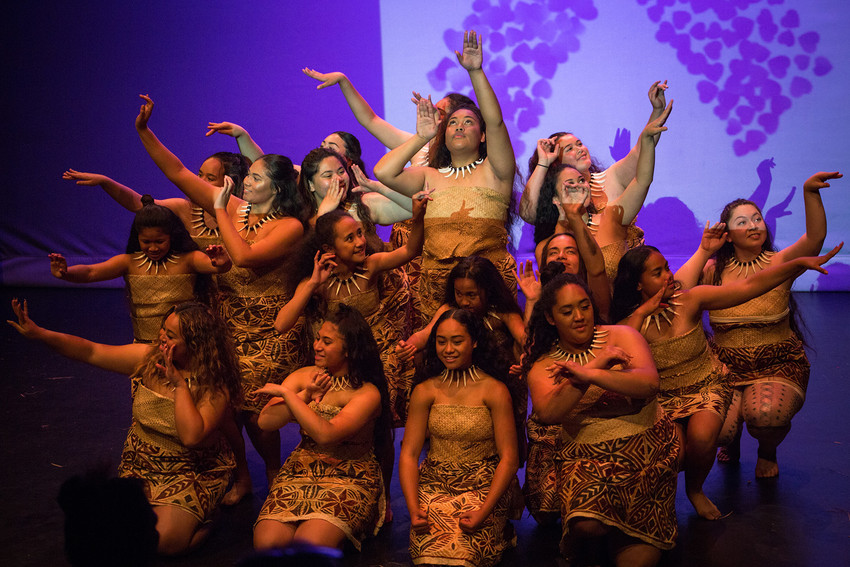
[(463, 131), (212, 171), (171, 337), (330, 169), (258, 187), (154, 243), (349, 241), (656, 274), (746, 227), (572, 315), (563, 248), (331, 352), (469, 296), (454, 345), (574, 153), (336, 143)]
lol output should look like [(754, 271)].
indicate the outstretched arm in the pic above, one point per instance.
[(383, 261), (812, 241), (385, 132), (631, 201), (88, 273), (366, 185), (116, 358), (198, 190), (500, 152), (738, 291), (247, 146)]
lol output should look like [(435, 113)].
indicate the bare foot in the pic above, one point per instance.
[(237, 492), (766, 468), (704, 506)]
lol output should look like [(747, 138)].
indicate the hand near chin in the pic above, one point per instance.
[(223, 196)]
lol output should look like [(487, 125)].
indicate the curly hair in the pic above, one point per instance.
[(541, 334), (235, 167), (290, 199), (364, 364), (212, 357), (727, 252), (486, 276)]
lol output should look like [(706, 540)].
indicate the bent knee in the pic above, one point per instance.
[(588, 527), (269, 534), (171, 543)]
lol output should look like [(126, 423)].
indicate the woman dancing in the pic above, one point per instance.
[(458, 498), (760, 341), (694, 387), (182, 389), (260, 231), (471, 169), (615, 467), (330, 487), (161, 268)]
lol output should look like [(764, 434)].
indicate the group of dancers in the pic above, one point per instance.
[(265, 297)]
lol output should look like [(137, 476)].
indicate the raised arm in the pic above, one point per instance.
[(198, 190), (500, 152), (623, 171), (323, 264), (247, 146), (116, 358), (390, 168), (383, 261), (691, 271), (366, 185), (812, 241), (547, 153), (385, 132), (498, 400), (631, 201), (87, 273), (280, 236), (591, 254)]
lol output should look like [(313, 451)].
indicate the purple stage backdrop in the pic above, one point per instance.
[(758, 86)]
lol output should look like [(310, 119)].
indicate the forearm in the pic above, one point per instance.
[(274, 415), (318, 428), (691, 271), (238, 249), (248, 147), (81, 273), (188, 420), (394, 196), (556, 407), (175, 171), (588, 249), (291, 311), (408, 475), (639, 383), (502, 478), (385, 132), (123, 195), (390, 168), (491, 111), (815, 220), (531, 194)]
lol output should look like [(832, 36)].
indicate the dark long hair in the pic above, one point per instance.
[(152, 215), (438, 154), (627, 297), (727, 252), (290, 199), (364, 365), (595, 166), (235, 167), (544, 263), (485, 275), (353, 152), (541, 334)]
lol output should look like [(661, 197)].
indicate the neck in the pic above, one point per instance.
[(568, 346), (465, 158), (263, 208), (747, 254)]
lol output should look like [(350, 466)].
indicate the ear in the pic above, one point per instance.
[(639, 287), (483, 137), (310, 186), (326, 248), (474, 344), (549, 318)]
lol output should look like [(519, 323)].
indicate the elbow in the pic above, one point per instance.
[(192, 440)]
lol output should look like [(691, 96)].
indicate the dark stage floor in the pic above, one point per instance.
[(60, 417)]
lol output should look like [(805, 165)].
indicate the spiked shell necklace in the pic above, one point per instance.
[(155, 265), (600, 337), (667, 314), (244, 211), (462, 170), (200, 225), (347, 282), (757, 263), (460, 375)]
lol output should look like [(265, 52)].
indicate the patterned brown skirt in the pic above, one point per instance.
[(540, 490), (628, 483), (193, 479), (347, 493), (783, 361)]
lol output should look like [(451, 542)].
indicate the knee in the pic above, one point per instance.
[(586, 527), (265, 537), (171, 543)]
